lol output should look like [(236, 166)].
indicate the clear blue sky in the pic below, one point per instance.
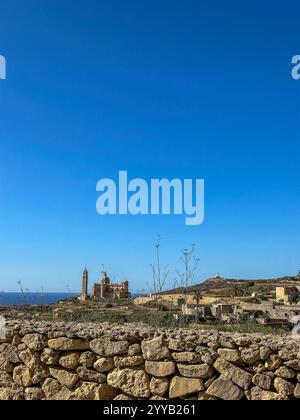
[(161, 89)]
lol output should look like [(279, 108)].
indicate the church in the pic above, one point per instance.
[(104, 289)]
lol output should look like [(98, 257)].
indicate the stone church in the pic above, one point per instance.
[(104, 289)]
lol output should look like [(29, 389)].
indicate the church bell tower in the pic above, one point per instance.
[(85, 279)]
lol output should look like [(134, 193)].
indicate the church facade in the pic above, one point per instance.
[(104, 289)]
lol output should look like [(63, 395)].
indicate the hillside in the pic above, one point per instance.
[(217, 284)]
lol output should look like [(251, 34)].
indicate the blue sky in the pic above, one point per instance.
[(161, 89)]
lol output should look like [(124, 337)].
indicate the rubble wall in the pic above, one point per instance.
[(50, 360), (174, 298)]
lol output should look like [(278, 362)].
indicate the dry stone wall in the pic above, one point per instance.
[(57, 361)]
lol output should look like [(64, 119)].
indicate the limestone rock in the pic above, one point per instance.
[(5, 364), (264, 352), (160, 369), (10, 352), (128, 361), (297, 391), (93, 391), (225, 389), (258, 394), (250, 356), (37, 370), (35, 341), (4, 394), (273, 362), (242, 340), (109, 348), (106, 392), (38, 373), (155, 349), (213, 345), (50, 356), (90, 375), (231, 355), (53, 390), (159, 386), (134, 349), (22, 346), (180, 386), (34, 393), (228, 343), (64, 394), (284, 387), (29, 358), (208, 356), (202, 371), (68, 344), (176, 345), (86, 391), (51, 387), (134, 382), (287, 353), (87, 359), (258, 367), (293, 364), (6, 380), (239, 376), (7, 394), (69, 360), (104, 364), (22, 376), (285, 373), (263, 381), (123, 397), (187, 357), (64, 377), (203, 396)]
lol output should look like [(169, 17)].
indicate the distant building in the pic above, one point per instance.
[(219, 310), (287, 294), (203, 311), (106, 290)]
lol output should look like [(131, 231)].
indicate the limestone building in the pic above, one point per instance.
[(287, 294), (85, 279), (106, 290)]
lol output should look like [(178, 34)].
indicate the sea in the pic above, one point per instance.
[(30, 298)]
